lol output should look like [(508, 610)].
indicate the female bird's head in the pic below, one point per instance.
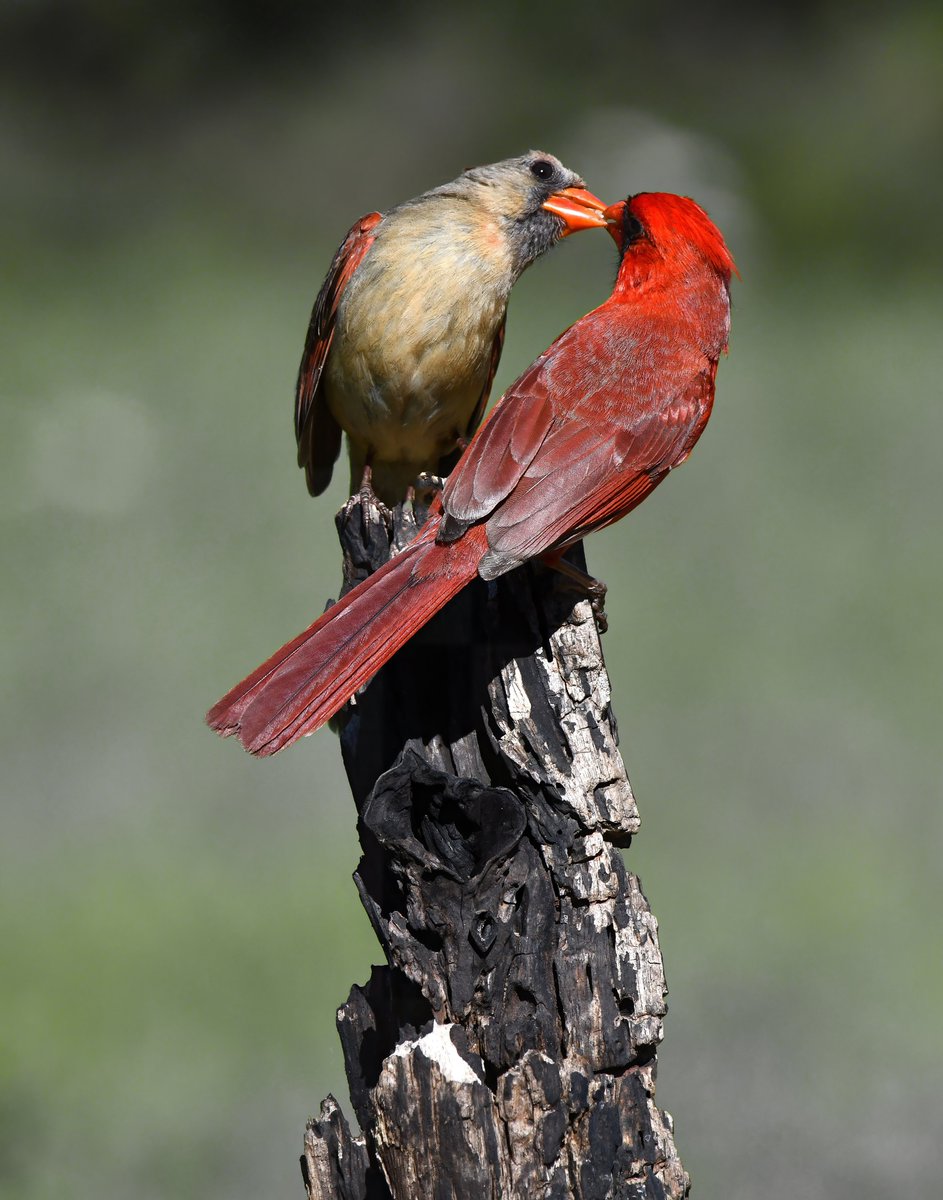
[(660, 228), (533, 199)]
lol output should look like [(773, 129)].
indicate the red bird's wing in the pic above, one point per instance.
[(577, 485), (318, 434), (538, 470), (503, 447)]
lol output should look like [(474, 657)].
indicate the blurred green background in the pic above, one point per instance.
[(178, 921)]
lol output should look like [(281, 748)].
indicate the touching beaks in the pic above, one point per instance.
[(613, 216), (577, 208)]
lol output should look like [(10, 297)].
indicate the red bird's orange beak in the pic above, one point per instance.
[(613, 217), (577, 208)]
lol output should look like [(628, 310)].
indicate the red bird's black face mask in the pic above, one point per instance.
[(623, 225)]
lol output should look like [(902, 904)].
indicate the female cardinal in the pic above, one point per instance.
[(577, 442), (407, 329)]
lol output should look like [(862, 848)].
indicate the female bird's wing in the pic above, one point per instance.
[(318, 434), (503, 447)]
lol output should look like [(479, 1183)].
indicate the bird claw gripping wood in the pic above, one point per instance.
[(427, 482), (408, 518), (587, 585), (597, 603), (357, 523)]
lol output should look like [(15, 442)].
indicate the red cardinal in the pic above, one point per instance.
[(407, 330), (577, 442)]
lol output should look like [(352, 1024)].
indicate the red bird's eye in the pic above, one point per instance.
[(542, 169)]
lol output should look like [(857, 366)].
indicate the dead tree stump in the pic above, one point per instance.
[(506, 1051)]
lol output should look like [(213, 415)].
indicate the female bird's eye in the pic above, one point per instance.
[(541, 168), (632, 228)]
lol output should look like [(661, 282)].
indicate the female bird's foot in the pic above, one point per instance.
[(427, 482), (426, 488), (366, 483), (367, 499)]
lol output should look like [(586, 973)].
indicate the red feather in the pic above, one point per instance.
[(305, 682)]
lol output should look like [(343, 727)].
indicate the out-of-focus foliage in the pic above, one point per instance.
[(177, 921)]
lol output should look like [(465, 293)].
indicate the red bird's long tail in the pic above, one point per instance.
[(305, 682)]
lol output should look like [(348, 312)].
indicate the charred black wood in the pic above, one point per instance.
[(507, 1048)]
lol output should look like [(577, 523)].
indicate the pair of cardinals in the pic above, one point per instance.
[(401, 353)]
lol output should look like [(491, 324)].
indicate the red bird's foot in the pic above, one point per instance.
[(594, 589), (599, 612)]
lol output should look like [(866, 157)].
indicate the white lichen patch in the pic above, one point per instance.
[(437, 1045)]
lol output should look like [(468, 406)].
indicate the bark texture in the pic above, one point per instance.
[(507, 1048)]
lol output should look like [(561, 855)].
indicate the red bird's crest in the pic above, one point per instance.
[(670, 223)]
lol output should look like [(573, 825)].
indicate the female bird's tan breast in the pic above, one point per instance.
[(415, 331)]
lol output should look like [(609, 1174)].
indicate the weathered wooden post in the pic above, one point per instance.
[(507, 1048)]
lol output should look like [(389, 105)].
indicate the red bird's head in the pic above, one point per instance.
[(661, 227)]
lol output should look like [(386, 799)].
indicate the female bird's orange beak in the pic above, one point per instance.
[(577, 208)]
